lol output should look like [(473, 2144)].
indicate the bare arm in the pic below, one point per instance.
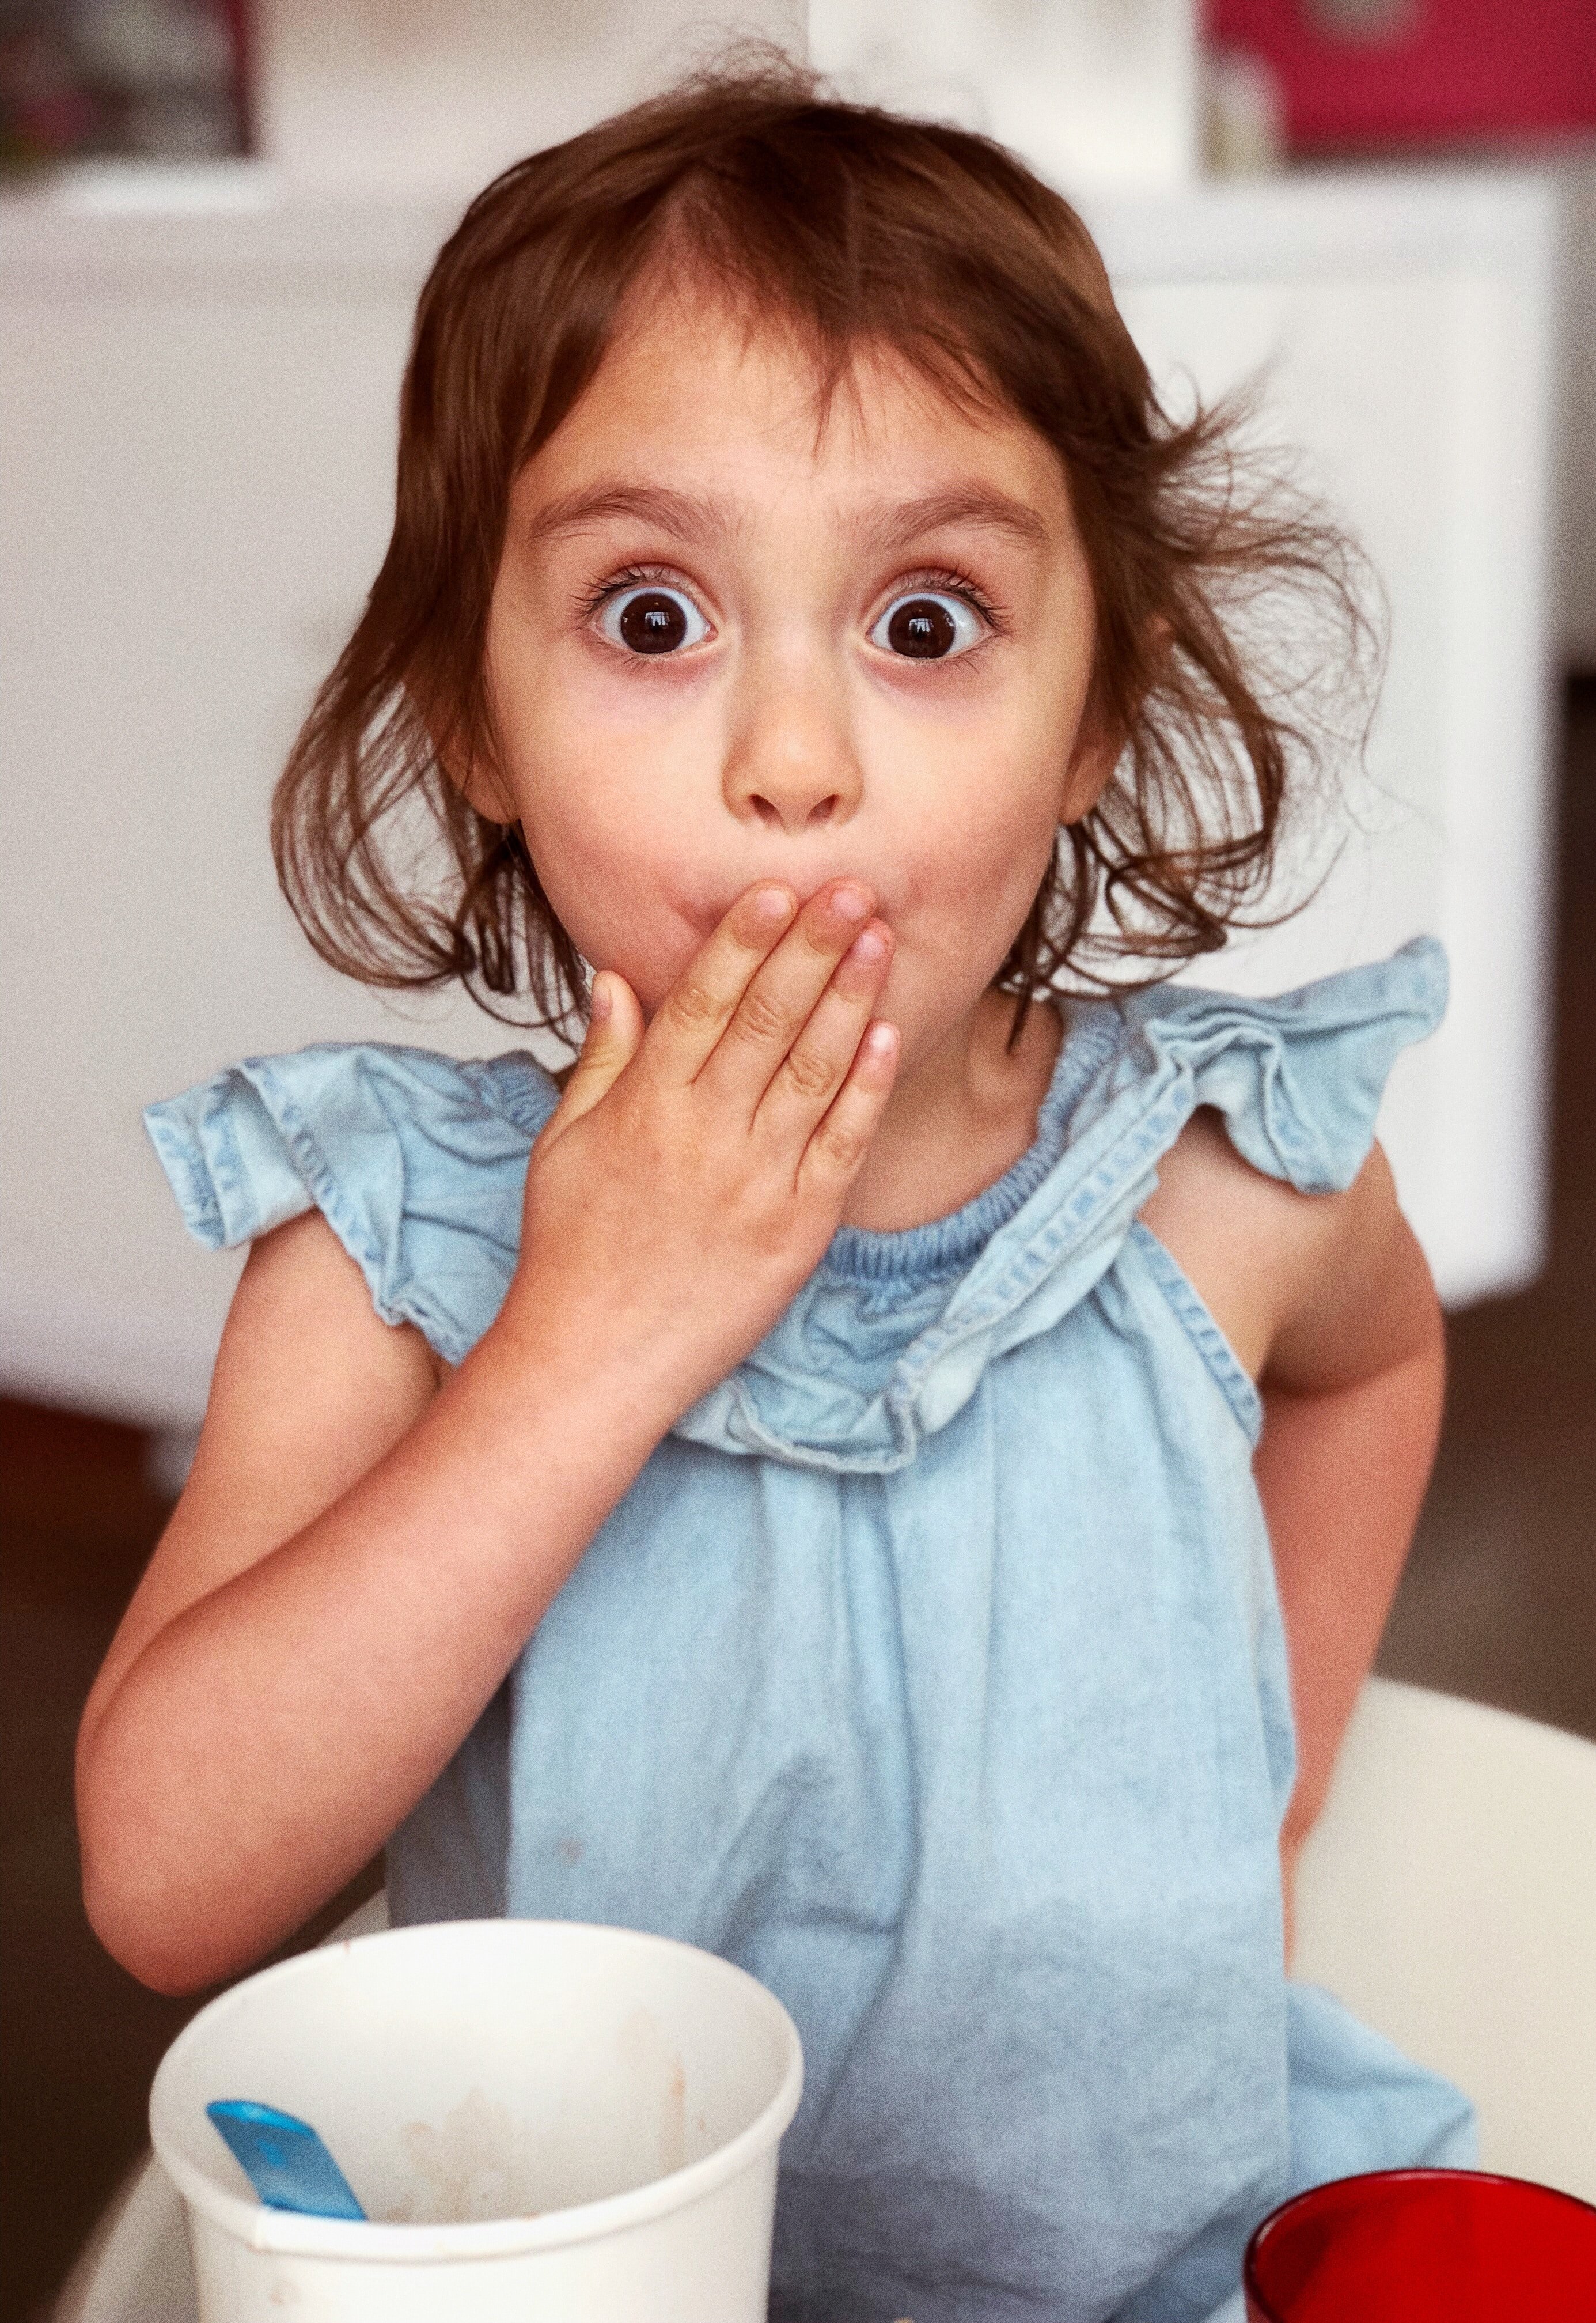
[(354, 1566), (1329, 1303), (362, 1552), (1353, 1392)]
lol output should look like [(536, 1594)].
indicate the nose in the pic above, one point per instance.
[(790, 760)]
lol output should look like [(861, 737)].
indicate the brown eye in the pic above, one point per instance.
[(653, 621), (921, 627)]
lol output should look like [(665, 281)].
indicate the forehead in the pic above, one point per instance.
[(695, 393)]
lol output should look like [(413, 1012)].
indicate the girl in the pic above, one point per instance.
[(809, 1486)]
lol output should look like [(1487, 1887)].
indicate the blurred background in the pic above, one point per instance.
[(215, 215)]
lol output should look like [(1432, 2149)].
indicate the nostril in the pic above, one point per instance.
[(772, 818)]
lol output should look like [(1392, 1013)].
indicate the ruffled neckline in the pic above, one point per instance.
[(907, 1255)]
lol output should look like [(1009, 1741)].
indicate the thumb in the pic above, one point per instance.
[(614, 1035)]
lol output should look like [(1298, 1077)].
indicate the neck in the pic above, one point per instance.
[(957, 1118)]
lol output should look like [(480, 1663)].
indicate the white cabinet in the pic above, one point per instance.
[(196, 417)]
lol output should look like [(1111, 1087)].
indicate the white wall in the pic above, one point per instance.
[(440, 96), (1099, 94)]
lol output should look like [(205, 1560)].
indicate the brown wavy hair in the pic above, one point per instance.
[(857, 228)]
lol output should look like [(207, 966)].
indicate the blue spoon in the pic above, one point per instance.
[(284, 2160)]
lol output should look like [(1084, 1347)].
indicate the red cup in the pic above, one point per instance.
[(1425, 2247)]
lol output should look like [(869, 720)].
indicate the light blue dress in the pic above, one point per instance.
[(932, 1667)]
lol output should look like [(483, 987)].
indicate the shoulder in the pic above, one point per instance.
[(303, 1314), (1271, 1195), (1245, 1241), (1310, 1290), (310, 1389)]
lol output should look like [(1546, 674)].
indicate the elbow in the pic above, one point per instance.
[(140, 1929), (139, 1914), (143, 1949)]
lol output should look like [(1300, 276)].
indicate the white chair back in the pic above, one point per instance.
[(1448, 1896)]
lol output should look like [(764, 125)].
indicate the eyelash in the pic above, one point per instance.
[(946, 578), (631, 576), (948, 581)]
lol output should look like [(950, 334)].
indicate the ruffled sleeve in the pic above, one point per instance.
[(417, 1162), (1297, 1080)]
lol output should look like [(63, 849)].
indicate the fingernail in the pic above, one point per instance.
[(869, 948), (601, 1001), (850, 903), (774, 904)]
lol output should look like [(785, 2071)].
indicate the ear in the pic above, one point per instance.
[(479, 783), (1098, 742), (470, 765), (1101, 736)]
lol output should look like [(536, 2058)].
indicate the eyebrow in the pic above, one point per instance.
[(697, 519), (684, 514), (894, 524)]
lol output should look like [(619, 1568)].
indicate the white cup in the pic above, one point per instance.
[(541, 2120)]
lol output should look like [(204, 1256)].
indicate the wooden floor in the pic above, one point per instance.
[(1498, 1603), (79, 2040)]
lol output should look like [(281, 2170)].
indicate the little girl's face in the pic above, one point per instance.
[(726, 644)]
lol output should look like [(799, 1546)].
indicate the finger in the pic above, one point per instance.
[(842, 1138), (699, 1006), (614, 1035), (815, 1066), (781, 997)]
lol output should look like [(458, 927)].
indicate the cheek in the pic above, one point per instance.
[(593, 871), (608, 821), (975, 903), (979, 813)]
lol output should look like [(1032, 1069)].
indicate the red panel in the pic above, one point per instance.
[(1447, 69)]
